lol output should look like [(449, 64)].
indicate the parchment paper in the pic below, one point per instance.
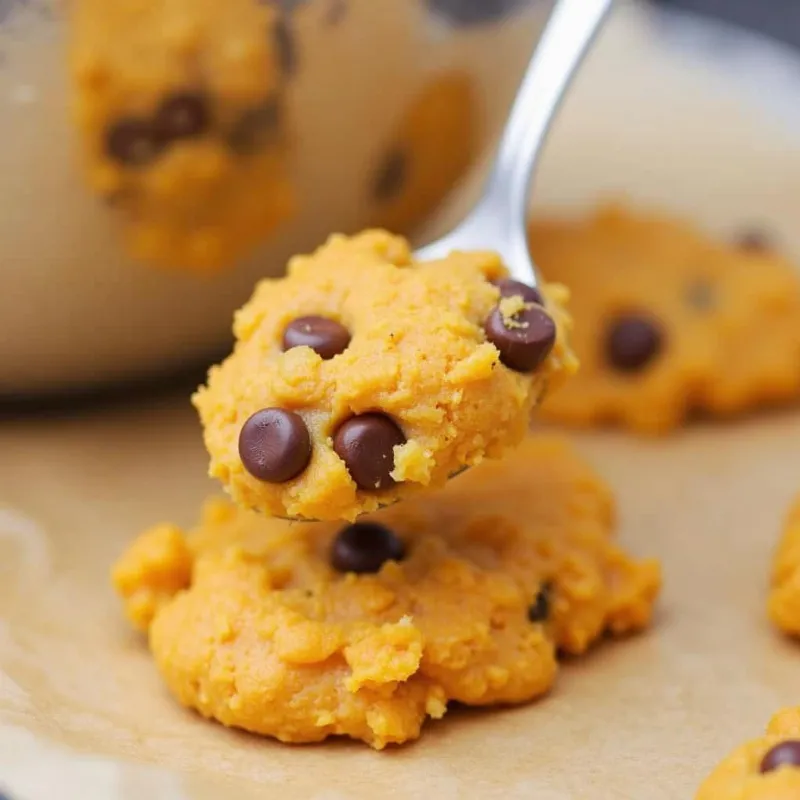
[(639, 718), (83, 713)]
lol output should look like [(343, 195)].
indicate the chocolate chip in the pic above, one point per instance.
[(473, 12), (539, 610), (391, 176), (701, 296), (754, 241), (274, 445), (285, 46), (133, 142), (525, 341), (6, 7), (366, 445), (337, 11), (183, 116), (632, 342), (785, 754), (326, 337), (255, 127), (510, 288), (364, 547)]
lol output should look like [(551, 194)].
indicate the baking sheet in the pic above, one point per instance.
[(83, 713), (651, 714)]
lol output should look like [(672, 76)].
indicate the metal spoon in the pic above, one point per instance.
[(498, 221)]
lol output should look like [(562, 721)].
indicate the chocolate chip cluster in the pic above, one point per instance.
[(138, 141), (275, 445)]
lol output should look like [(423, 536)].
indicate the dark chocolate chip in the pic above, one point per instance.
[(326, 337), (337, 11), (754, 241), (473, 12), (633, 342), (255, 127), (6, 7), (183, 116), (391, 176), (785, 754), (539, 610), (509, 288), (133, 142), (274, 445), (285, 46), (366, 445), (524, 342), (114, 199), (364, 547), (701, 296)]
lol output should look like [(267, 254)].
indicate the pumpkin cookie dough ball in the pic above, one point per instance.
[(434, 145), (364, 375), (365, 630), (764, 769), (669, 322), (181, 111)]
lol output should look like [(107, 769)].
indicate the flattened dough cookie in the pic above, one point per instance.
[(462, 595), (182, 117), (763, 769), (364, 375), (668, 321), (784, 596)]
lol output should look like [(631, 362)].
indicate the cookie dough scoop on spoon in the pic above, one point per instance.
[(369, 372)]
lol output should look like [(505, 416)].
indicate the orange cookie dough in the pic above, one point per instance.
[(763, 769), (784, 597), (182, 116), (434, 145), (364, 375), (304, 631), (669, 322)]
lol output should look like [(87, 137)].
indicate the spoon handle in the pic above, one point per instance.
[(499, 220), (566, 39)]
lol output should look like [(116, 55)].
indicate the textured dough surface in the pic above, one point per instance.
[(730, 319), (203, 200), (738, 776), (418, 354), (250, 625)]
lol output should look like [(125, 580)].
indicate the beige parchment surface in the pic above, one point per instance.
[(82, 710)]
